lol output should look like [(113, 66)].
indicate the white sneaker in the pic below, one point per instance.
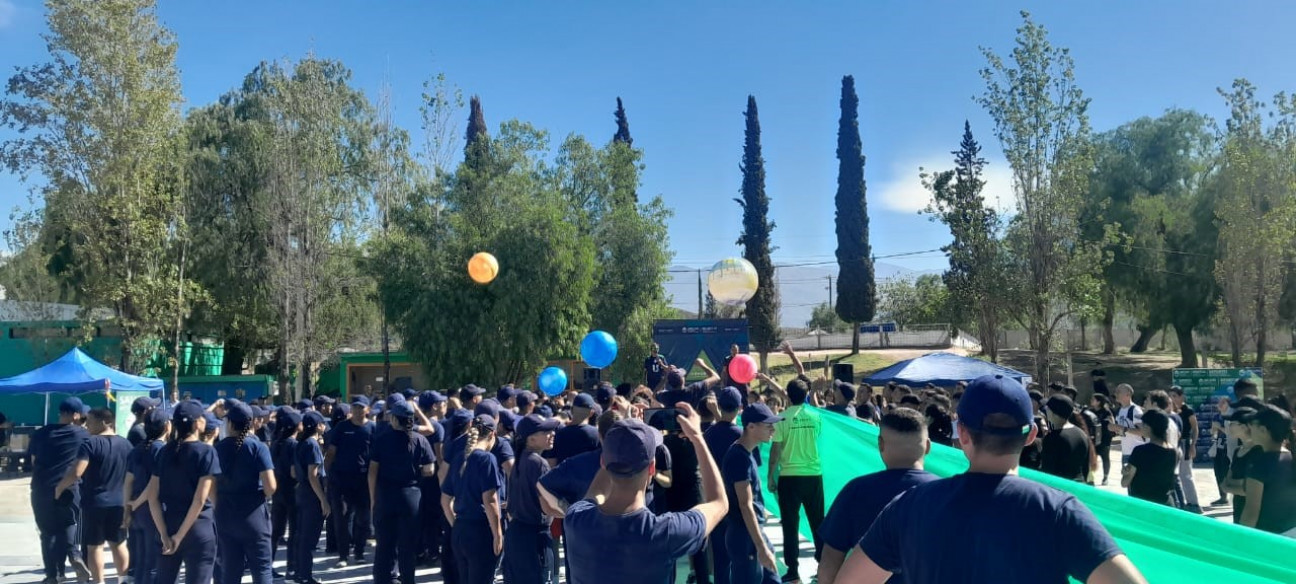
[(340, 565)]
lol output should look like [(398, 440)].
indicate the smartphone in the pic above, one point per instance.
[(662, 418)]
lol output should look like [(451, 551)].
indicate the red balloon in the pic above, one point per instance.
[(742, 368)]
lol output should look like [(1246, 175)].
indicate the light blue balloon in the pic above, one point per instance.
[(552, 381), (598, 349)]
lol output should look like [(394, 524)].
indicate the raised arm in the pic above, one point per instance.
[(712, 377), (786, 347), (715, 504)]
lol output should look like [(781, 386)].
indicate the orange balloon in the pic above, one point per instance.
[(483, 267)]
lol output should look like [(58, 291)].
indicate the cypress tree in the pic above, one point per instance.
[(763, 308), (623, 126), (478, 139), (856, 289)]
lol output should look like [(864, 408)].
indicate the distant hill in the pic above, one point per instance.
[(801, 288)]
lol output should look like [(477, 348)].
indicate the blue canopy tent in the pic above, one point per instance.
[(76, 373), (942, 369)]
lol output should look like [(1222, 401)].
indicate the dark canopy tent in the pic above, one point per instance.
[(76, 373), (942, 369)]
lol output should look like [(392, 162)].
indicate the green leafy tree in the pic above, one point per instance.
[(856, 290), (622, 135), (976, 276), (922, 300), (763, 308), (100, 124), (1041, 121), (824, 317)]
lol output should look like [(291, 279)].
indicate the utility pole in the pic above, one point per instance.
[(830, 289), (699, 274)]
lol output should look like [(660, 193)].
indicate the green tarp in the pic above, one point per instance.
[(1168, 545)]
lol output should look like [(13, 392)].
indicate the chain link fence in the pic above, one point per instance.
[(916, 336)]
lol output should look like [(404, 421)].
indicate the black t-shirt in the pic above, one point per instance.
[(136, 434), (1155, 477), (572, 440), (55, 448), (1278, 504), (1031, 455), (524, 499), (952, 515), (653, 371), (101, 485), (686, 484), (846, 410), (1066, 454), (1239, 470), (1186, 414)]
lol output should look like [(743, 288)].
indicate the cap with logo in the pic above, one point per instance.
[(759, 414), (996, 395), (533, 423)]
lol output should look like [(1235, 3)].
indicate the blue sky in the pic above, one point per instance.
[(685, 69)]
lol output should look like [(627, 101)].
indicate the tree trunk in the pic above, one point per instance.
[(232, 363), (1084, 340), (1145, 336), (1187, 348), (304, 373), (281, 359), (764, 362), (1235, 343), (1108, 321), (855, 338), (1164, 330), (1042, 360)]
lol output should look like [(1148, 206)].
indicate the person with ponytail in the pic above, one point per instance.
[(470, 498), (142, 535), (242, 519), (312, 504), (283, 506), (399, 459), (1270, 491), (456, 426), (529, 553), (179, 497)]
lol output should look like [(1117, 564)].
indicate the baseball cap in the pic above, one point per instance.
[(485, 421), (142, 404), (1242, 415), (545, 411), (378, 407), (847, 390), (1277, 422), (341, 412), (360, 400), (470, 390), (288, 417), (428, 399), (508, 420), (409, 393), (604, 394), (525, 397), (71, 405), (304, 404), (402, 409), (324, 399), (505, 393), (584, 400), (487, 407), (759, 414), (238, 412), (457, 420), (186, 412), (990, 395), (213, 423), (1061, 405), (312, 420), (629, 447), (155, 420), (729, 399), (533, 423), (395, 398)]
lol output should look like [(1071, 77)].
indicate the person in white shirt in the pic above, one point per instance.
[(1129, 417)]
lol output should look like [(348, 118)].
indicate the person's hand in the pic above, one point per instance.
[(699, 362), (773, 483), (689, 420), (763, 377), (328, 510), (786, 347), (498, 543), (58, 492), (168, 545), (766, 557), (126, 519)]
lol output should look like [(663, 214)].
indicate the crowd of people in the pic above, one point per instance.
[(626, 480)]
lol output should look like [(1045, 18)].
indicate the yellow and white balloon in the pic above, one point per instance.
[(733, 281)]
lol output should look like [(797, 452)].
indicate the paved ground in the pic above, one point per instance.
[(20, 552)]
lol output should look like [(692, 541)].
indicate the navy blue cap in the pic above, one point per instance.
[(457, 420), (71, 405), (402, 409), (759, 414), (155, 420), (545, 411), (304, 404), (260, 412), (143, 404), (487, 407), (508, 420), (995, 394), (485, 421), (409, 393), (729, 399), (505, 393), (604, 394), (378, 408), (312, 420), (341, 412), (238, 413), (630, 447), (187, 412), (324, 399), (584, 400), (847, 390), (470, 390), (360, 400), (525, 397), (395, 397), (533, 423), (213, 423), (428, 399), (288, 417)]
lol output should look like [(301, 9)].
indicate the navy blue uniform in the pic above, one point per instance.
[(242, 518), (349, 486), (431, 517), (142, 541), (858, 504), (54, 449), (572, 440), (180, 466), (283, 506), (310, 512), (740, 465), (528, 546), (473, 542), (399, 457), (136, 434), (615, 548), (1065, 538), (101, 489), (571, 479), (718, 438)]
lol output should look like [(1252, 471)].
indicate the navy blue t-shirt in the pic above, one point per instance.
[(179, 468), (524, 502), (570, 480), (663, 463), (307, 453), (140, 464), (719, 437), (859, 503), (955, 514), (572, 440), (694, 393), (846, 410), (284, 454), (479, 474), (238, 489), (635, 548), (740, 465), (101, 484), (136, 435), (55, 447), (400, 457), (351, 448), (653, 371)]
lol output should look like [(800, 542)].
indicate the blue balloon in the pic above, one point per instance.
[(598, 349), (552, 381)]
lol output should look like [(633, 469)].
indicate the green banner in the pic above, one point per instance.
[(1169, 546)]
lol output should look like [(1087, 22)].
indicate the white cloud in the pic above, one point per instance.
[(903, 191), (7, 11)]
